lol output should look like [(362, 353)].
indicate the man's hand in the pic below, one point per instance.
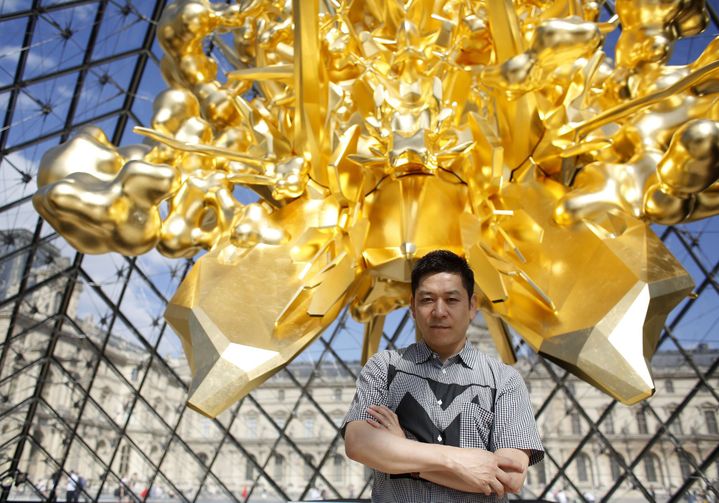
[(479, 471), (385, 419), (521, 456)]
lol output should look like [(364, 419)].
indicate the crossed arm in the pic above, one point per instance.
[(386, 449)]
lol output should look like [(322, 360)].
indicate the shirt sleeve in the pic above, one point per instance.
[(371, 389), (514, 424)]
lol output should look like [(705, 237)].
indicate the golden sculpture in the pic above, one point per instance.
[(374, 131)]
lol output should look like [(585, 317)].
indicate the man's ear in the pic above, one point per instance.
[(473, 306), (411, 305)]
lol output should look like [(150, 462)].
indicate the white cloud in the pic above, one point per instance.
[(25, 102), (39, 62), (85, 12), (7, 6), (23, 217), (19, 161), (36, 60), (139, 305), (64, 91), (12, 185), (9, 53)]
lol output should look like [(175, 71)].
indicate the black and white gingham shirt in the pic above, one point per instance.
[(471, 400)]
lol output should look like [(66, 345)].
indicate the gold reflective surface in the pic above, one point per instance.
[(376, 131)]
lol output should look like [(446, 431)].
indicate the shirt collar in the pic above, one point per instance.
[(467, 355), (422, 353)]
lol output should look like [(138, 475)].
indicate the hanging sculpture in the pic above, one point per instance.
[(374, 131)]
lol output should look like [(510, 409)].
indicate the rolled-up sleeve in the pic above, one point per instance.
[(371, 389), (514, 424)]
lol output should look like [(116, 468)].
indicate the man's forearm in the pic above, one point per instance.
[(449, 479), (388, 453)]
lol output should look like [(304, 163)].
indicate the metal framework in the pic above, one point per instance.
[(40, 77)]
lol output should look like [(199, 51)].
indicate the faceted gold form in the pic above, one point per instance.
[(374, 131), (234, 346)]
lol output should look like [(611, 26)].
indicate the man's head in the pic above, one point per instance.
[(443, 301), (443, 261)]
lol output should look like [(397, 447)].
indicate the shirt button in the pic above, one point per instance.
[(439, 438), (439, 402), (444, 371)]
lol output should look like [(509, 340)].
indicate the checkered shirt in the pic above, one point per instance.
[(471, 400)]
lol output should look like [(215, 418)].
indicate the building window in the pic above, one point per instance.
[(583, 467), (710, 418), (609, 424), (250, 468), (309, 427), (367, 472), (279, 466), (308, 470), (252, 426), (124, 459), (669, 386), (642, 422), (614, 467), (538, 469), (650, 468), (542, 474), (280, 420), (280, 395), (576, 423), (339, 468), (676, 425), (686, 461), (205, 427)]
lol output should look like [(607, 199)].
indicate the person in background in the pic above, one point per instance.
[(72, 489)]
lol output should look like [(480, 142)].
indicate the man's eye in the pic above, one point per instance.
[(426, 300)]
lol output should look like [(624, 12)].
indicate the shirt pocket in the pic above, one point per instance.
[(477, 426)]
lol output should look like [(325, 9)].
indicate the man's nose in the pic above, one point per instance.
[(440, 308)]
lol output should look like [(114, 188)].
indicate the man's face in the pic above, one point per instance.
[(442, 312)]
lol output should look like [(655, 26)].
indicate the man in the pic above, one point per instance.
[(439, 421), (72, 491)]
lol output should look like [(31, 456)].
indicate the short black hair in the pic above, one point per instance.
[(443, 261)]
